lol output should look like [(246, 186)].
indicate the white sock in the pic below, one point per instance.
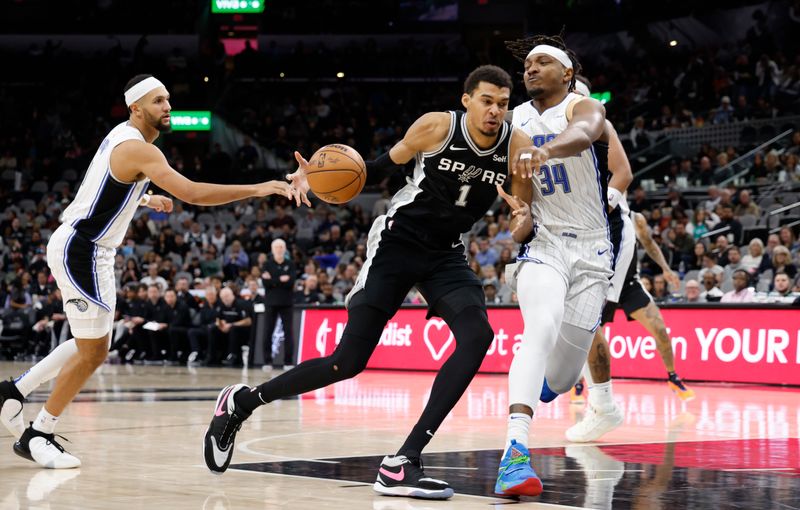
[(46, 369), (45, 422), (601, 397), (519, 425)]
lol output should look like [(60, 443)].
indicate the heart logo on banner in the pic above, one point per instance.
[(438, 324)]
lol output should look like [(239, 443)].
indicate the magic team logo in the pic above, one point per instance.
[(80, 304)]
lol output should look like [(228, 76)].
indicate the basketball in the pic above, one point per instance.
[(336, 173)]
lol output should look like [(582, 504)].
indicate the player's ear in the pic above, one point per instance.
[(568, 73), (465, 99)]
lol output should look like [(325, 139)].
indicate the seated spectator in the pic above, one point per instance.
[(711, 291), (231, 331), (41, 288), (660, 292), (681, 245), (640, 202), (710, 266), (788, 240), (490, 290), (734, 262), (782, 262), (721, 247), (692, 293), (309, 295), (486, 255), (727, 220), (755, 252), (696, 261), (49, 322), (781, 288), (742, 292), (746, 205), (235, 261), (153, 278)]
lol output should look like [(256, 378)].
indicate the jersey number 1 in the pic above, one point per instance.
[(463, 191)]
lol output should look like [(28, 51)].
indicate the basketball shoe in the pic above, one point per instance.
[(401, 476), (44, 450), (11, 408), (221, 433), (594, 424), (676, 385), (516, 476)]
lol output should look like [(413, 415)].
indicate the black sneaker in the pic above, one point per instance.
[(44, 450), (399, 476), (221, 433), (11, 408)]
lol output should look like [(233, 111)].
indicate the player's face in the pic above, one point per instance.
[(155, 109), (486, 107), (545, 75)]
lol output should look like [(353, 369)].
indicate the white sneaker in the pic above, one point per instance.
[(192, 357), (44, 450), (11, 409), (594, 424)]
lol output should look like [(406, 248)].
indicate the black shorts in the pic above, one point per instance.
[(404, 259), (633, 297)]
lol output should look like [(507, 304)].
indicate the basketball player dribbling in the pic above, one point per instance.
[(81, 252), (461, 161), (565, 263)]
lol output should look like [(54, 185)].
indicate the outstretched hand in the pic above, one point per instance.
[(529, 160), (300, 181)]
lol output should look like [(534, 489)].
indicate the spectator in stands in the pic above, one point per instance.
[(486, 255), (49, 319), (696, 262), (742, 292), (704, 175), (309, 294), (675, 202), (41, 288), (218, 238), (710, 204), (183, 295), (692, 292), (727, 220), (781, 286), (755, 252), (710, 266), (195, 237), (782, 262), (327, 297), (178, 322), (235, 261), (746, 205), (734, 262), (681, 244), (721, 247), (490, 291), (278, 279), (210, 265), (773, 166), (647, 283), (768, 77), (156, 317), (640, 202), (787, 239), (638, 135), (345, 280), (724, 113), (231, 331), (153, 278), (711, 291), (661, 292)]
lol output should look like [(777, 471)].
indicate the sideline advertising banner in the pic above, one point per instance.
[(731, 345)]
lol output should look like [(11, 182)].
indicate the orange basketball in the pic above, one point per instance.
[(336, 173)]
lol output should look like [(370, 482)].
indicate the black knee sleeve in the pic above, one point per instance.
[(472, 330), (359, 339)]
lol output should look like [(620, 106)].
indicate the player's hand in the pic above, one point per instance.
[(519, 211), (673, 279), (160, 203), (275, 188), (529, 160), (299, 180)]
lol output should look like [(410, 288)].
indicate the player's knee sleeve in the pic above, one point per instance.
[(567, 358), (359, 339)]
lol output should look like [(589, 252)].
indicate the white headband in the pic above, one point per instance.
[(582, 89), (139, 90), (554, 52)]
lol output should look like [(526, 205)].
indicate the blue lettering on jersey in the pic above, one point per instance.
[(539, 140)]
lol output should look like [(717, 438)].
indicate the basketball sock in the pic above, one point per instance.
[(519, 425), (45, 422), (47, 368), (601, 397)]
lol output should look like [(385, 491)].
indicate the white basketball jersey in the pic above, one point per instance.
[(104, 207), (571, 192)]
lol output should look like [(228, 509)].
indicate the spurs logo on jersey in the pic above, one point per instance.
[(104, 207), (572, 191), (467, 174), (454, 184)]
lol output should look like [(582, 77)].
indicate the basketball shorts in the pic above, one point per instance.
[(84, 272), (584, 261), (623, 242), (632, 297), (399, 258)]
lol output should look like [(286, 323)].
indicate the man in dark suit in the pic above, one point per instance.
[(278, 275)]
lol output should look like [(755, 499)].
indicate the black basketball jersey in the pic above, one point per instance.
[(453, 186)]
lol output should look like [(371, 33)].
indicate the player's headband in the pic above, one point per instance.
[(554, 52), (139, 90), (582, 89)]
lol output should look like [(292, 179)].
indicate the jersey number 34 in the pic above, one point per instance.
[(552, 175)]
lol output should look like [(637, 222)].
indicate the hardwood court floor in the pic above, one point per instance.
[(138, 432)]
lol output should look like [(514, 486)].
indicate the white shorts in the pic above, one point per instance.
[(84, 273), (584, 261), (625, 253)]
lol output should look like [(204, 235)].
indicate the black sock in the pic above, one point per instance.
[(672, 376)]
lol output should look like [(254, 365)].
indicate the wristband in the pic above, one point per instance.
[(614, 197), (144, 200)]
